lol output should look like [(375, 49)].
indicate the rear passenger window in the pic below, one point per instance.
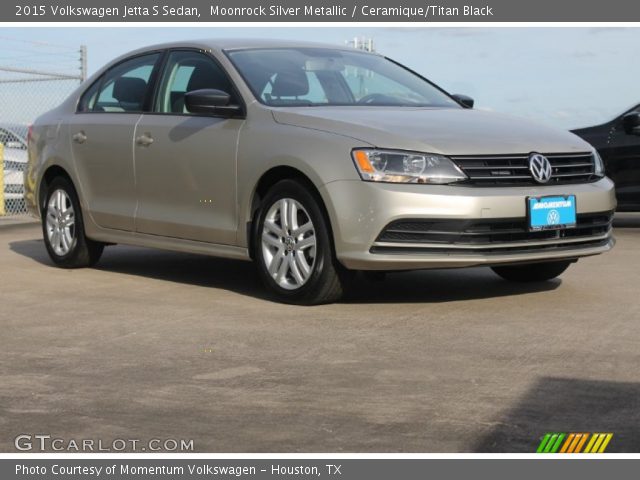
[(88, 99), (123, 88)]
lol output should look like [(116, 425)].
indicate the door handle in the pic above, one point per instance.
[(145, 140), (79, 137)]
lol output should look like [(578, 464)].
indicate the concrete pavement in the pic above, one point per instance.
[(154, 344)]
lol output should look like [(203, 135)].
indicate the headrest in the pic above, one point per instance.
[(129, 89), (292, 83), (207, 75)]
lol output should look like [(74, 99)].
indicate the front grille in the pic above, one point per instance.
[(506, 170), (482, 234)]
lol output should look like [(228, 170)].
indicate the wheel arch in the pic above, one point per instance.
[(52, 172), (265, 183)]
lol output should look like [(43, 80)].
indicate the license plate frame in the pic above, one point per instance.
[(553, 214)]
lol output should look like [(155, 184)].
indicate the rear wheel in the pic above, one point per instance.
[(293, 247), (534, 272), (63, 228)]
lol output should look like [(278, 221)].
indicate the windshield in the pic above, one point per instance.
[(326, 77)]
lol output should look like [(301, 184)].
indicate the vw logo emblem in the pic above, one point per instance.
[(553, 217), (540, 167)]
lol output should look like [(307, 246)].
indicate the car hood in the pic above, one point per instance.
[(449, 131)]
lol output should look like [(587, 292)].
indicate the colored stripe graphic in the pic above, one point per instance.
[(574, 442), (590, 444), (551, 443), (598, 443), (581, 443), (556, 445), (578, 442), (568, 442), (604, 445), (543, 443)]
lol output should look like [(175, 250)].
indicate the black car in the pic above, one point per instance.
[(618, 142)]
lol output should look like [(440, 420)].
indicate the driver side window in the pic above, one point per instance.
[(187, 71)]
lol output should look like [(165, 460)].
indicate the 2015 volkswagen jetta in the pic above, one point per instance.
[(313, 161)]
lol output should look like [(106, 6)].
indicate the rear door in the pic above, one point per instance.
[(102, 139), (185, 164)]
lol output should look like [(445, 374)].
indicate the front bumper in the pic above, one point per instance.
[(360, 211)]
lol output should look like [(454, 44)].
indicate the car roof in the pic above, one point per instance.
[(241, 43)]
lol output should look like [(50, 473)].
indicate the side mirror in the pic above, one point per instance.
[(214, 102), (466, 102), (631, 123)]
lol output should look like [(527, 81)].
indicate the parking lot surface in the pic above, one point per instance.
[(153, 344)]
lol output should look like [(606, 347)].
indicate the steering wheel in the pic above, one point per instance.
[(373, 97)]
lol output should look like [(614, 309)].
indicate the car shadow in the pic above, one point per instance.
[(439, 286), (191, 269), (425, 286), (568, 405)]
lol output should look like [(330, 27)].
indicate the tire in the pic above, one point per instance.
[(64, 237), (298, 265), (534, 272)]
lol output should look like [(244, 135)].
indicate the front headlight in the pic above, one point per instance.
[(598, 165), (405, 167)]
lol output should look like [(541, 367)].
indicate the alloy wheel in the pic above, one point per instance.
[(289, 244), (60, 223)]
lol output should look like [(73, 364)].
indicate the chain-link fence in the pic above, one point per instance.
[(34, 77)]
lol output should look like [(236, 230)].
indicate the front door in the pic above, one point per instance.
[(185, 164)]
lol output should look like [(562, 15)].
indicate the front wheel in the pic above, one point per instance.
[(63, 228), (534, 272), (293, 247)]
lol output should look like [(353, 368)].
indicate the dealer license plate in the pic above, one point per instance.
[(551, 213)]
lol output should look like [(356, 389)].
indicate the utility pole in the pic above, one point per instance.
[(362, 43), (83, 63)]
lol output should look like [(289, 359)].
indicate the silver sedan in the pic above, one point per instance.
[(315, 162)]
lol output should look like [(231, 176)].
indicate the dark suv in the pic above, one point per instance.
[(618, 142)]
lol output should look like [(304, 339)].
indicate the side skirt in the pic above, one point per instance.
[(167, 243)]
